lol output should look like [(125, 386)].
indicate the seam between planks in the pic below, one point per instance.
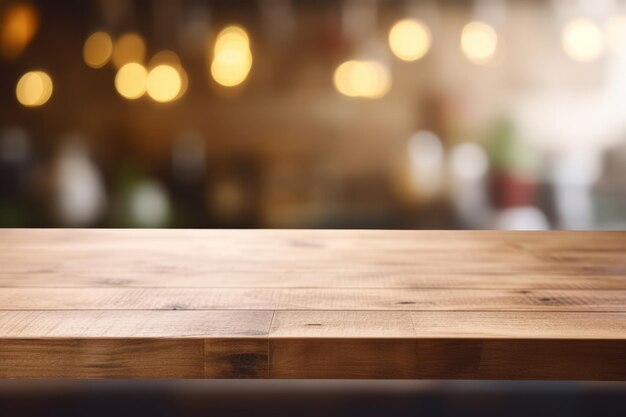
[(325, 309), (269, 333), (307, 309), (288, 287)]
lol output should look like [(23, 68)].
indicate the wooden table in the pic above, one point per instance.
[(312, 304)]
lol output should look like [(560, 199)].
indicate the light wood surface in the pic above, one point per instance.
[(312, 304)]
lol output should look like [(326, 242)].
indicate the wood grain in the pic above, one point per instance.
[(236, 358), (309, 299), (312, 304), (312, 259), (437, 358), (447, 325), (102, 358), (134, 324)]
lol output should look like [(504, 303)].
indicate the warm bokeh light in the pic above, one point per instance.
[(184, 82), (130, 47), (231, 68), (479, 42), (164, 83), (18, 26), (130, 81), (582, 40), (410, 39), (97, 49), (232, 58), (171, 58), (615, 30), (34, 89), (369, 79), (343, 78), (232, 37)]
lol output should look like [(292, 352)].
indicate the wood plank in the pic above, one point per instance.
[(520, 325), (448, 345), (320, 259), (134, 324), (436, 358), (308, 299), (102, 358), (448, 325), (342, 324), (359, 276), (137, 344)]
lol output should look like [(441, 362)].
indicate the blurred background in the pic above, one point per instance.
[(450, 114)]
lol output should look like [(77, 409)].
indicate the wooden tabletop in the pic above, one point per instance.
[(312, 304)]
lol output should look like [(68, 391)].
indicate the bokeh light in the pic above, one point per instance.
[(148, 205), (18, 26), (232, 37), (171, 58), (368, 79), (130, 47), (615, 30), (184, 82), (130, 81), (582, 40), (164, 83), (410, 39), (479, 42), (232, 58), (34, 89), (469, 162), (98, 49)]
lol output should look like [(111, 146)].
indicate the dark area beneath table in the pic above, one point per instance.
[(310, 398)]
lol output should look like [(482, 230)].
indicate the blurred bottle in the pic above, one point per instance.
[(79, 197), (140, 201), (232, 195), (573, 175), (427, 169), (512, 181), (187, 179), (469, 168), (17, 163)]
